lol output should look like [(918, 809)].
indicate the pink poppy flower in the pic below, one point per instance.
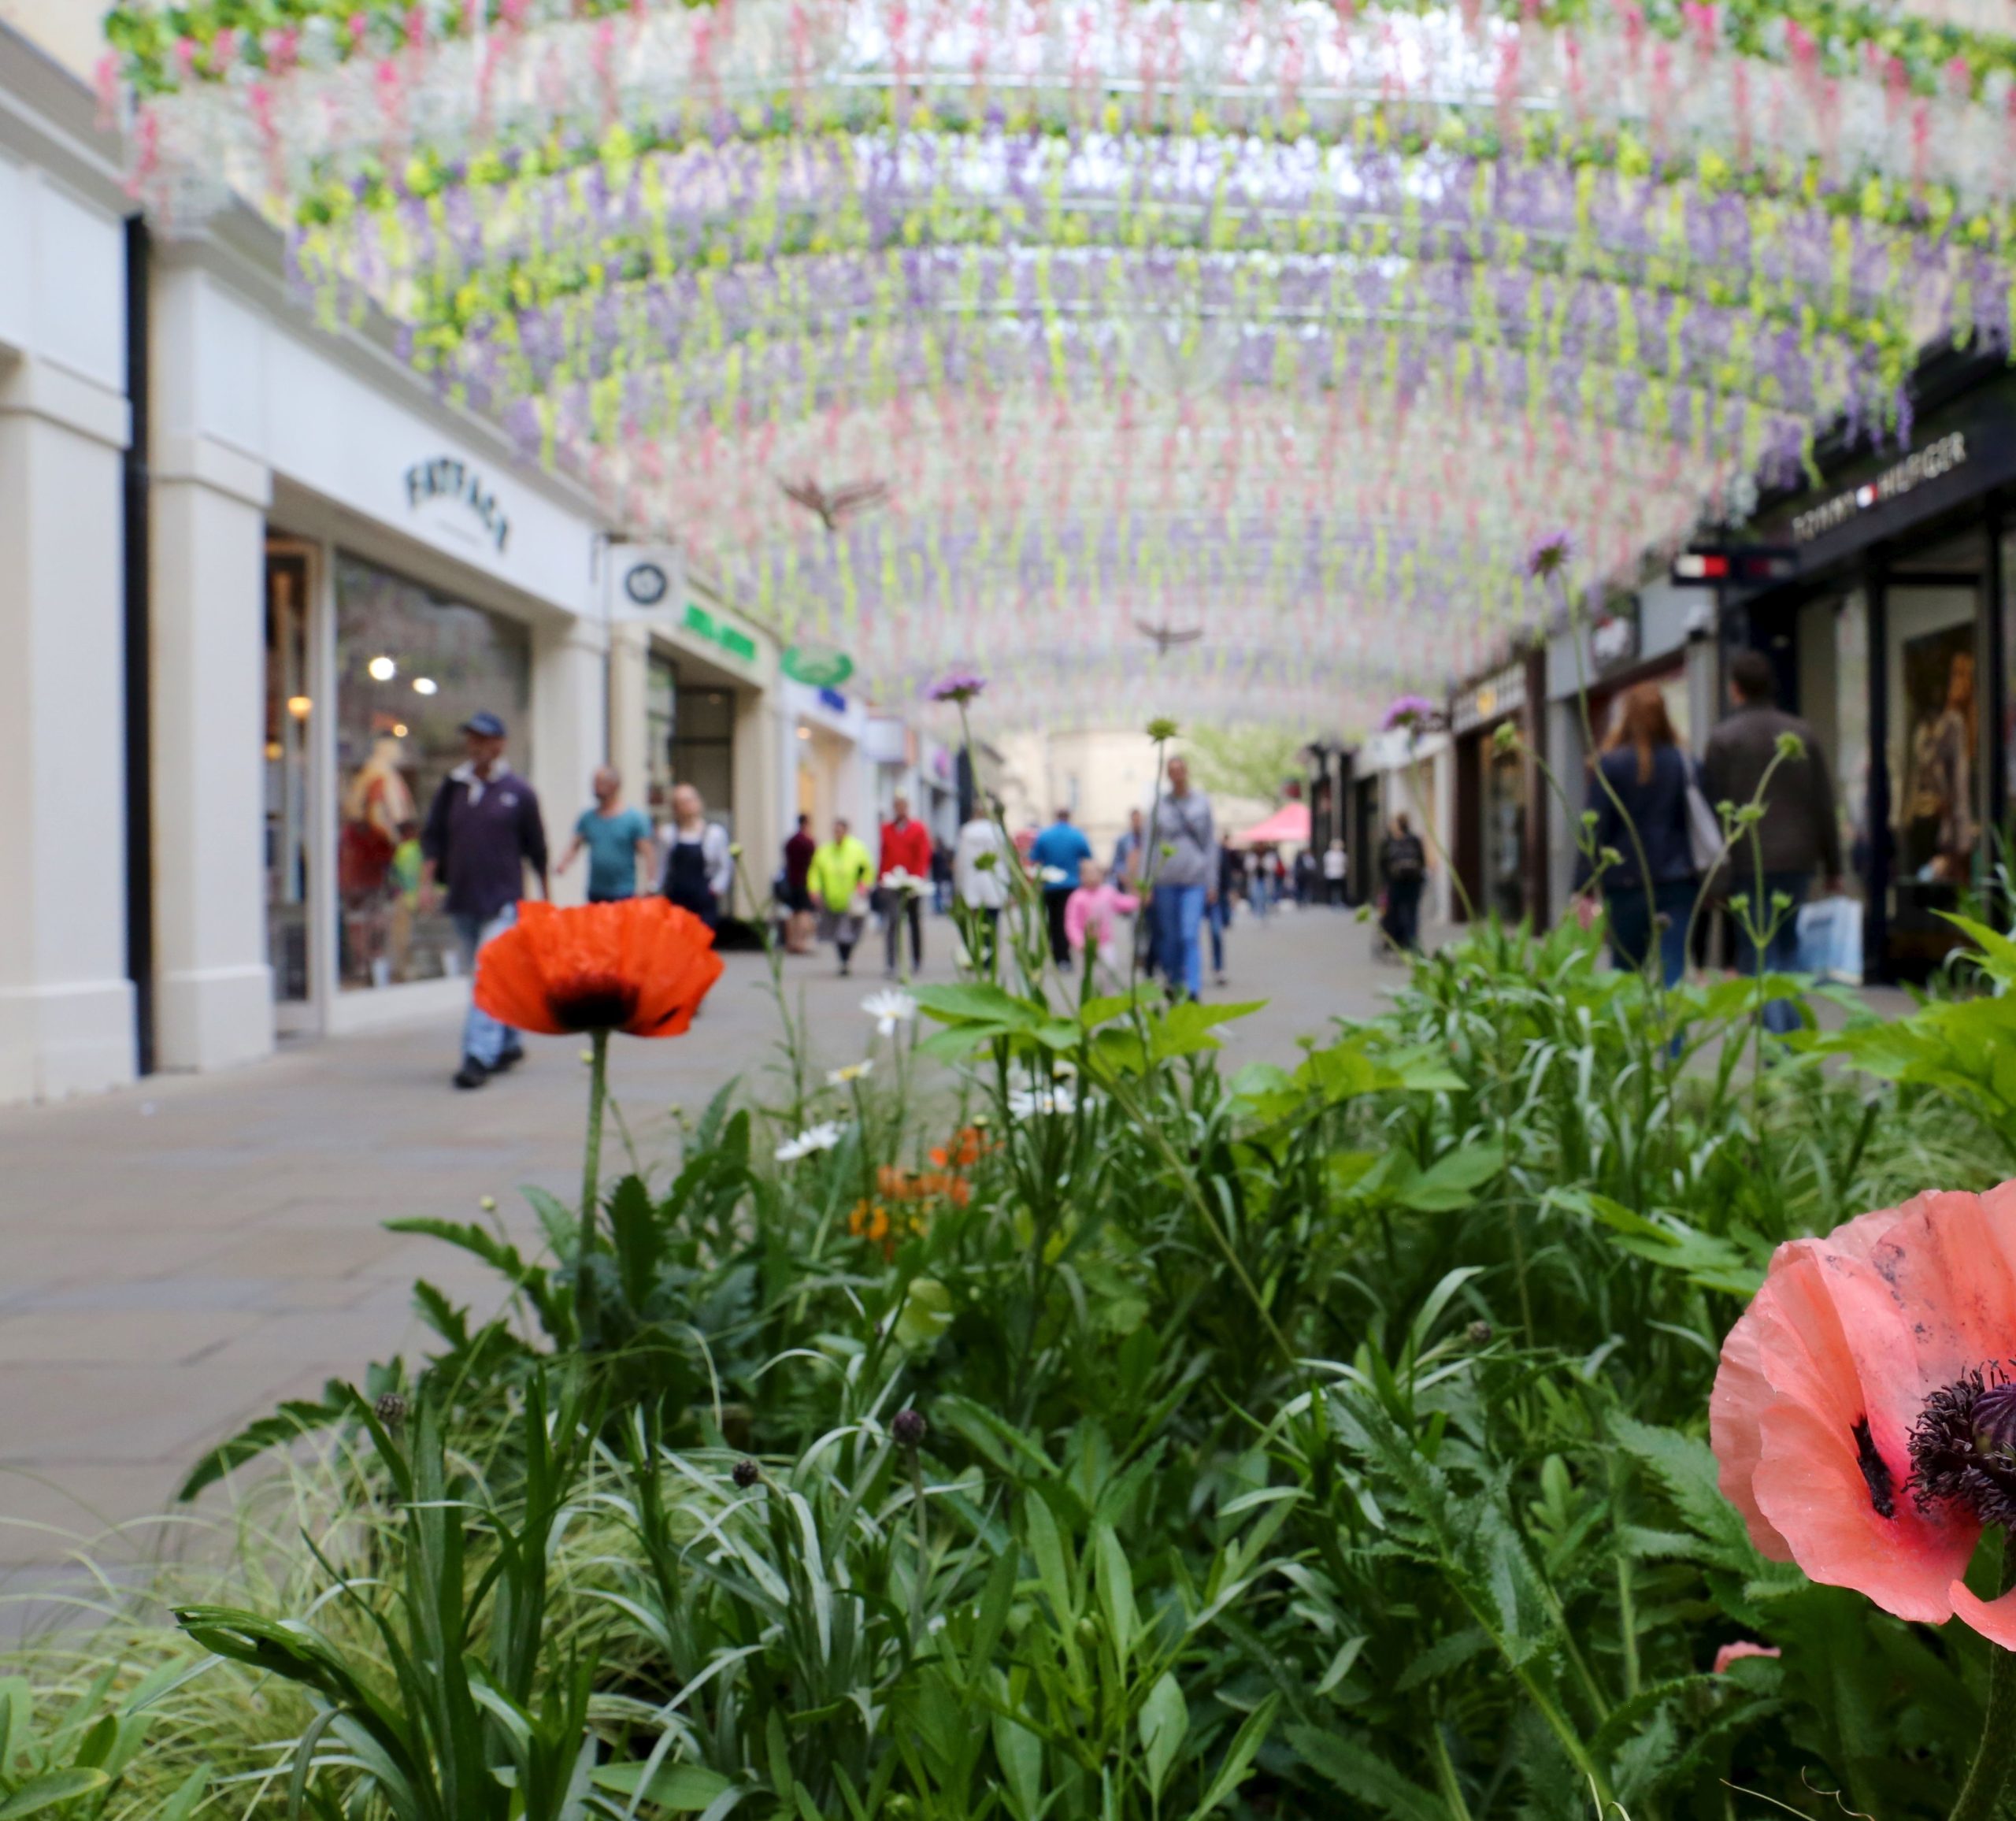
[(1863, 1415)]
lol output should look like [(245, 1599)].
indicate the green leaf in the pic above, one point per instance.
[(1116, 1588), (1163, 1723), (926, 1314), (1245, 1748), (1452, 1180), (295, 1417), (685, 1788), (1366, 1777), (1692, 1476), (976, 1002), (48, 1790)]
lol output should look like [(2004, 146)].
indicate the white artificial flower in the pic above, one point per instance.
[(900, 879), (850, 1072), (1055, 876), (1053, 1098), (888, 1008), (822, 1137)]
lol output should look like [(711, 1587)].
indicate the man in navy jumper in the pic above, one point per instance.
[(482, 832)]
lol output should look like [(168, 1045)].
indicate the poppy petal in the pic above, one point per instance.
[(641, 965), (1734, 1409), (1951, 1263), (1994, 1619)]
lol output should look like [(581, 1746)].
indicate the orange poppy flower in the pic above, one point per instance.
[(969, 1145), (1863, 1415), (642, 965)]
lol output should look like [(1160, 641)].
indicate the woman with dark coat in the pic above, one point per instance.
[(1638, 793)]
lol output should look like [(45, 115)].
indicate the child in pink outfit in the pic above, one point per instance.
[(1089, 910)]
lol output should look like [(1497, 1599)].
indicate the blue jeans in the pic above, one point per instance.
[(1179, 913), (483, 1036), (1780, 948), (1631, 915)]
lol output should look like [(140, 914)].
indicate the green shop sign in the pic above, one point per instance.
[(817, 666), (731, 640)]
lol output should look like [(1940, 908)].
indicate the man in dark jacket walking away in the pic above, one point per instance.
[(482, 832), (1404, 870), (1800, 833)]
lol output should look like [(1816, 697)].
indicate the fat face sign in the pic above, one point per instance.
[(448, 477)]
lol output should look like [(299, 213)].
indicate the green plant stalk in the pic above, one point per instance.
[(1981, 1794), (1445, 1774), (592, 1154)]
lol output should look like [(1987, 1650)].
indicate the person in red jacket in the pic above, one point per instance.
[(906, 876)]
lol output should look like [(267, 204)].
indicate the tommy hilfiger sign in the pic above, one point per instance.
[(1942, 457), (447, 477)]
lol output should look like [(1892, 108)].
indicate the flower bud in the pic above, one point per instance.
[(1479, 1333), (746, 1474), (909, 1427), (1791, 746), (390, 1409), (487, 1204)]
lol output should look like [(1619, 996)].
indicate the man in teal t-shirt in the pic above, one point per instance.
[(617, 838)]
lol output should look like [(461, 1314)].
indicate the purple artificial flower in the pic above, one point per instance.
[(1549, 554), (959, 686), (1413, 712)]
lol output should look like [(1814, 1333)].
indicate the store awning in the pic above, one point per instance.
[(1287, 826)]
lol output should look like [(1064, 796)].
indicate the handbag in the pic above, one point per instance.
[(862, 903), (1830, 940), (1704, 831)]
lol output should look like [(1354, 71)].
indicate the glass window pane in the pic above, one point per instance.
[(411, 667), (288, 710)]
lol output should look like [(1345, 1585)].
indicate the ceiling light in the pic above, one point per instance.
[(424, 685), (804, 733), (298, 707), (383, 669), (399, 730)]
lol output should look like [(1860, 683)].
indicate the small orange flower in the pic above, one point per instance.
[(922, 1185), (869, 1220), (642, 965), (969, 1145)]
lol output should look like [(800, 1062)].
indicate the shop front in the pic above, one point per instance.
[(1497, 836), (1893, 642), (825, 733)]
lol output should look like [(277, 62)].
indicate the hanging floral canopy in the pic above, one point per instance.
[(1288, 324)]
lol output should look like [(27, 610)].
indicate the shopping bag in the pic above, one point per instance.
[(1830, 940), (1704, 831)]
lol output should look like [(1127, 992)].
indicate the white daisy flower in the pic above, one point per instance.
[(888, 1008), (821, 1137), (1053, 1098), (850, 1072)]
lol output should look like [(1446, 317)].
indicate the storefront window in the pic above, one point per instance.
[(1504, 844), (1935, 751), (1850, 753), (411, 667)]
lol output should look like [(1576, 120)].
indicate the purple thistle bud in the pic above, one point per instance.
[(909, 1427), (1414, 713), (390, 1409), (960, 686), (1549, 554), (746, 1474)]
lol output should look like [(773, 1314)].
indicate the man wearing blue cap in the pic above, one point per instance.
[(482, 832)]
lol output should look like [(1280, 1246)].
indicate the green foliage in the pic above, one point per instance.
[(1251, 761), (1326, 1439)]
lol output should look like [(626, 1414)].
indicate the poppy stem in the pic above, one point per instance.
[(1982, 1793), (592, 1161)]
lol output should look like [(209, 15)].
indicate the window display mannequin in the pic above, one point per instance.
[(377, 808), (1939, 827)]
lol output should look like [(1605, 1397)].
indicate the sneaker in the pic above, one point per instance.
[(508, 1058), (471, 1073), (1217, 980)]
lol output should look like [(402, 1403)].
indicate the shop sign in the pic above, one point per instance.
[(449, 477), (1502, 693), (817, 666), (731, 640), (1936, 458)]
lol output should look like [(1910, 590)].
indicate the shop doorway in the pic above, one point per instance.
[(287, 768)]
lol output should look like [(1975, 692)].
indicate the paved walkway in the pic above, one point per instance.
[(178, 1257)]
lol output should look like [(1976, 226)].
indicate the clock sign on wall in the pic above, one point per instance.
[(646, 584)]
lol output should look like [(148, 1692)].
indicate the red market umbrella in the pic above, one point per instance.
[(1287, 826)]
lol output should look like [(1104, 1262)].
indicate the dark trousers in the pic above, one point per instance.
[(1403, 913), (1640, 923), (902, 905), (1218, 916), (1053, 909), (1780, 947)]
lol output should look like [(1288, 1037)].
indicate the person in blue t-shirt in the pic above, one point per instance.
[(618, 841), (1055, 853)]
